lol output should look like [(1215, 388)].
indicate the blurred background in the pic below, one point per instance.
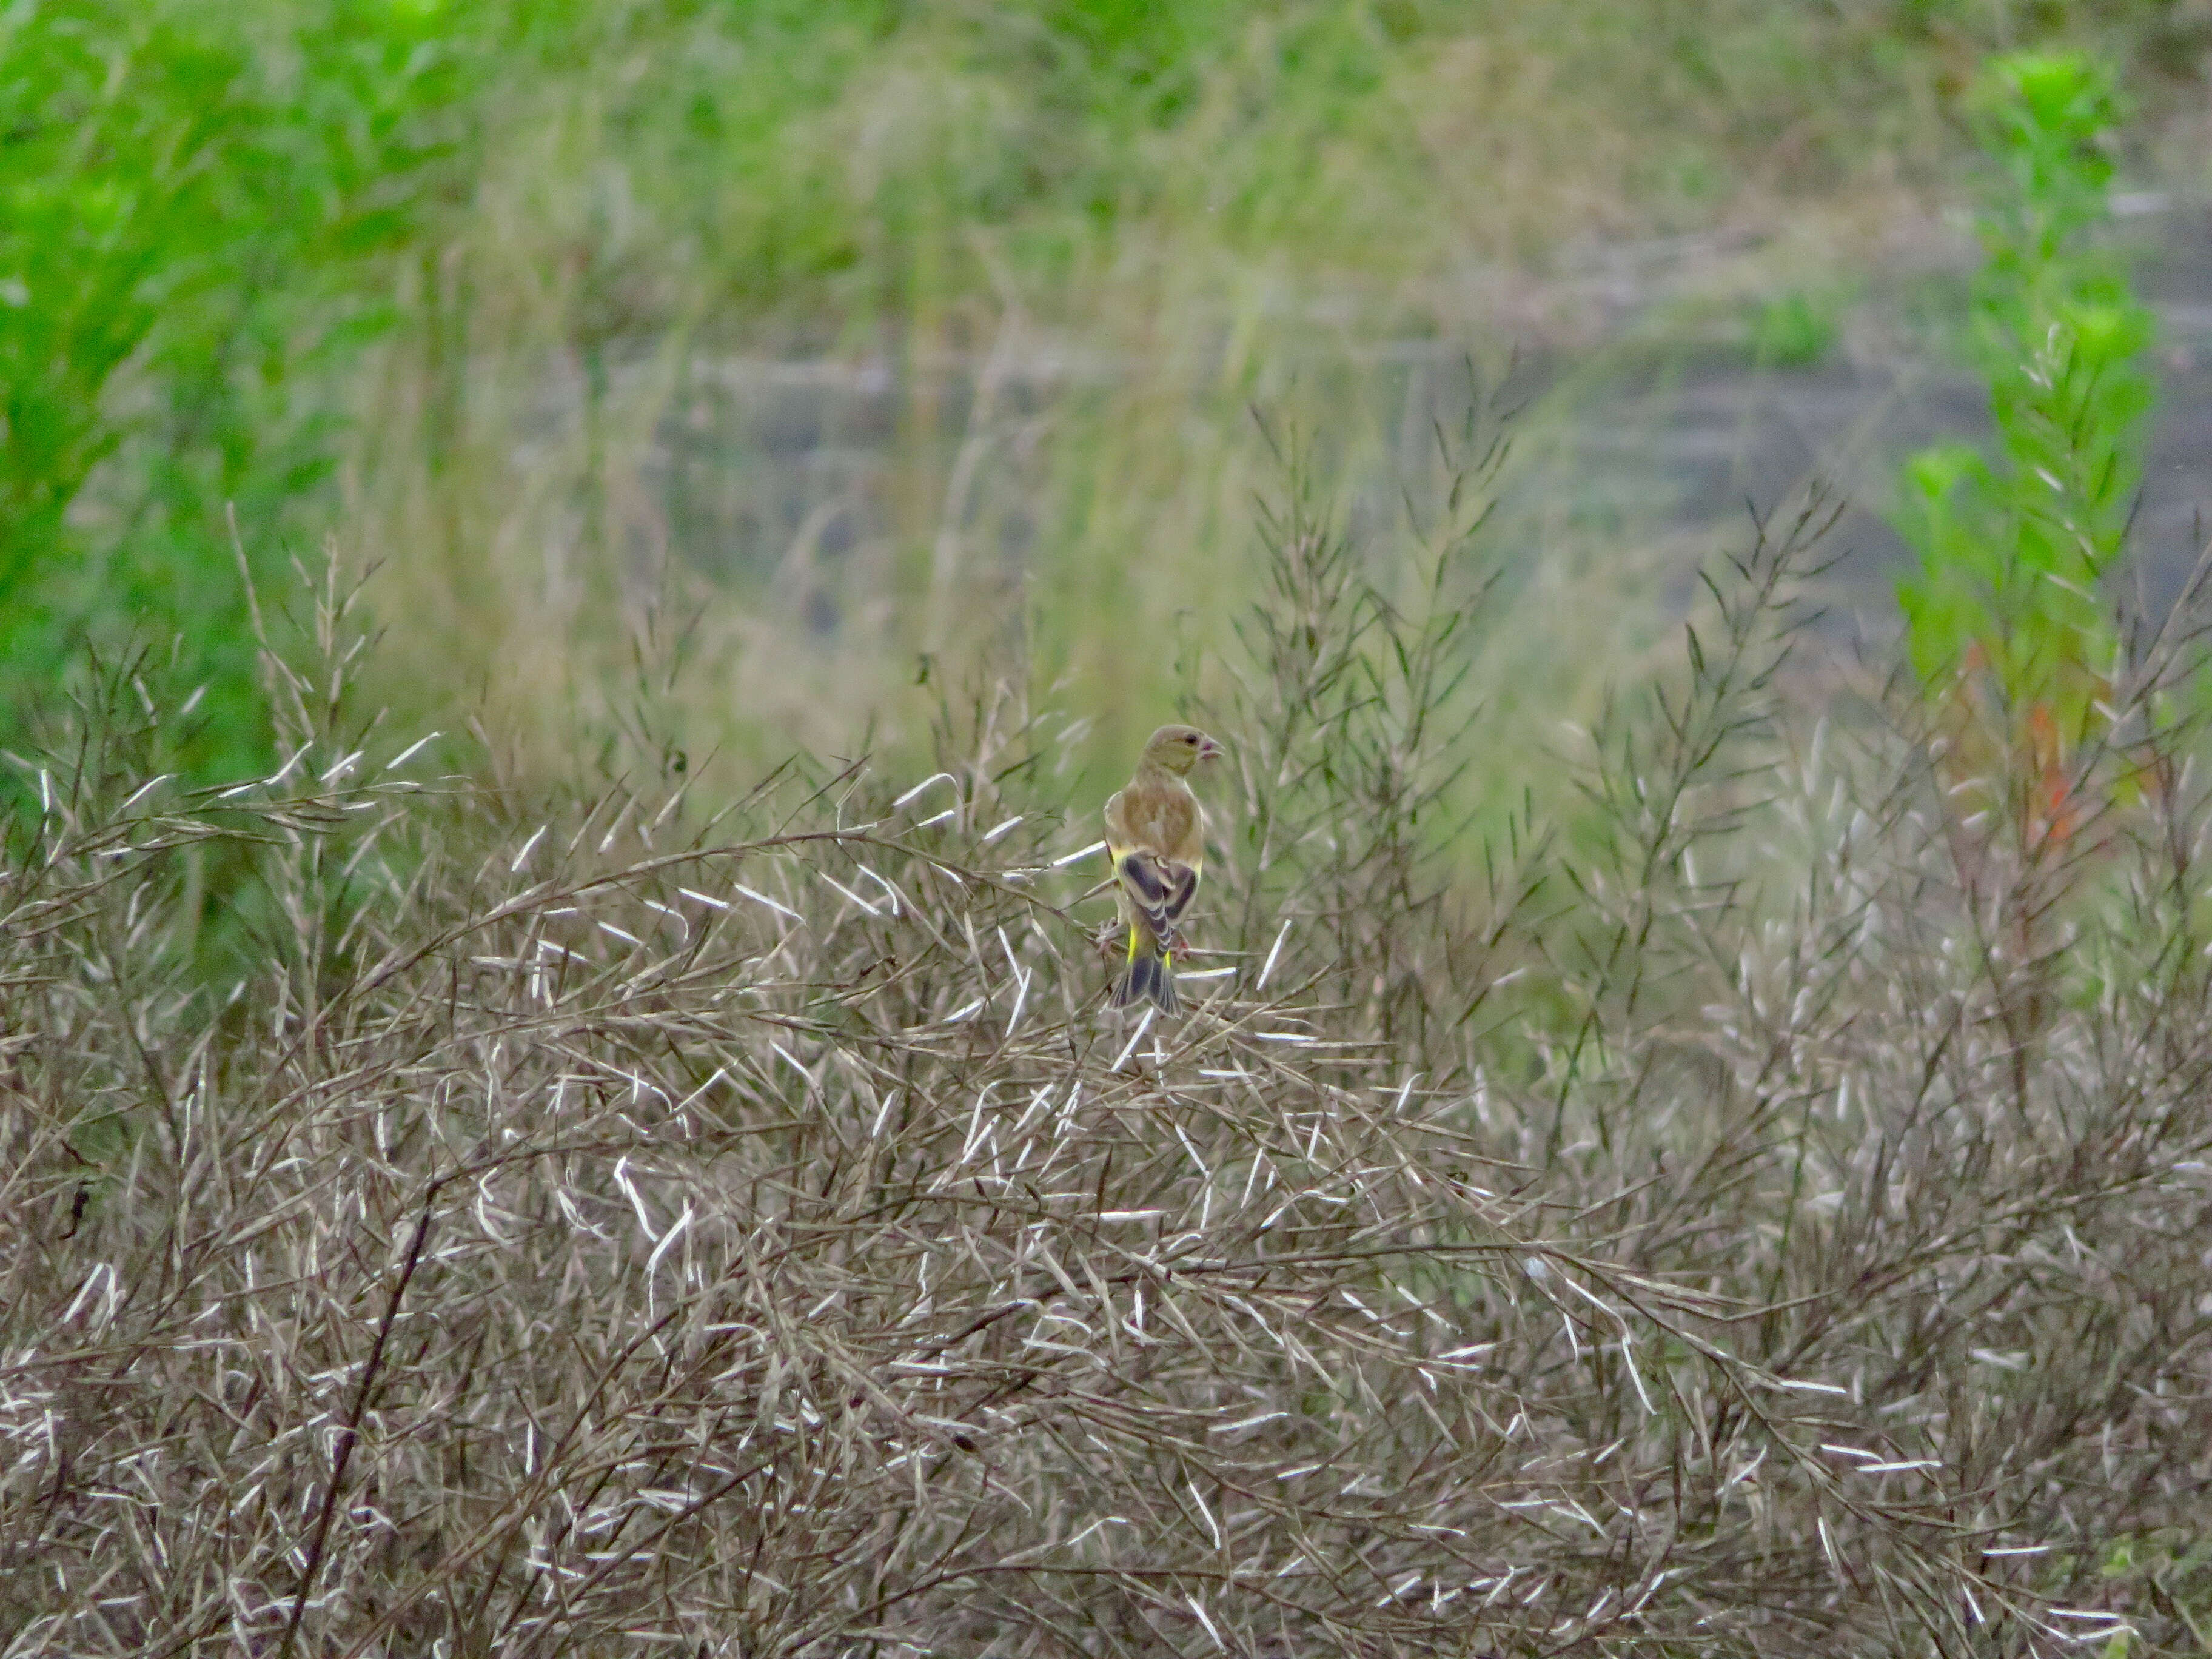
[(692, 382)]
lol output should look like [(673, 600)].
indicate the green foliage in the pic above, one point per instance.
[(1795, 329), (2012, 548), (197, 202), (206, 211)]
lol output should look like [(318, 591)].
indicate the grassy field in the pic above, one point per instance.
[(1079, 248), (447, 284)]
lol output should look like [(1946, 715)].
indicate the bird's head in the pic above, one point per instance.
[(1177, 748)]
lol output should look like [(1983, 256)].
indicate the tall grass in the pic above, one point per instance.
[(614, 1222), (2012, 555), (1073, 240), (197, 204), (1068, 251)]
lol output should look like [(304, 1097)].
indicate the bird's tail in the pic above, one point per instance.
[(1148, 976)]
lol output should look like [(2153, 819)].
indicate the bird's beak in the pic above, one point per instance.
[(1209, 750)]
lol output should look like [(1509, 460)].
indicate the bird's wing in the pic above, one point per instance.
[(1183, 880), (1157, 890)]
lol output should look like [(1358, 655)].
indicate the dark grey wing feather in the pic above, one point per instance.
[(1159, 890), (1184, 887)]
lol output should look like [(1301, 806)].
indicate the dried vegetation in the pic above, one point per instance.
[(1769, 1219)]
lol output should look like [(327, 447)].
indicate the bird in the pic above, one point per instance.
[(1156, 837)]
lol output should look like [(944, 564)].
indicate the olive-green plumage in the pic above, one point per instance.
[(1156, 837)]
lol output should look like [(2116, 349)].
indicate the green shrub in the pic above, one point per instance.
[(1795, 329), (196, 202), (2004, 609)]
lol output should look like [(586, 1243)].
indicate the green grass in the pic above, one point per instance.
[(2008, 620), (434, 278), (1794, 330), (1222, 213), (196, 202)]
